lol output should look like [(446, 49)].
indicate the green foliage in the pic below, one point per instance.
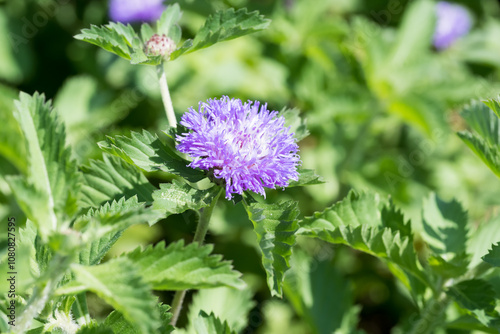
[(493, 256), (484, 141), (357, 222), (49, 194), (296, 123), (177, 197), (209, 324), (307, 177), (474, 295), (146, 151), (110, 179), (223, 26), (121, 40), (229, 305), (117, 323), (115, 216), (179, 267), (275, 226), (318, 293), (120, 284)]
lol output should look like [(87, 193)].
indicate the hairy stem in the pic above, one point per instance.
[(432, 316), (165, 96), (42, 293), (199, 236)]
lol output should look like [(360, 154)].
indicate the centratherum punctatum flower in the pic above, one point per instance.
[(242, 144)]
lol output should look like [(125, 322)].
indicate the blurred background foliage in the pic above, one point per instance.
[(381, 105)]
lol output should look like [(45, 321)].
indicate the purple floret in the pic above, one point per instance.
[(126, 11), (244, 144), (453, 22)]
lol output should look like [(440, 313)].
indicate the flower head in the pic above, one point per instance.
[(160, 45), (243, 144), (453, 22), (126, 11)]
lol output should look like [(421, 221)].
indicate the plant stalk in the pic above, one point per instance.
[(199, 236), (432, 316), (165, 96)]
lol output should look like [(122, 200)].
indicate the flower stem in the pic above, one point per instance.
[(165, 96), (432, 316), (199, 236)]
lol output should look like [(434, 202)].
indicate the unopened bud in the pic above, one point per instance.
[(160, 46)]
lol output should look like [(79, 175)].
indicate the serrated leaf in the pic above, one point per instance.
[(445, 226), (318, 292), (210, 324), (112, 179), (119, 283), (93, 251), (146, 151), (222, 26), (49, 194), (179, 267), (94, 329), (307, 177), (115, 216), (119, 324), (121, 40), (485, 140), (177, 197), (275, 226), (481, 239), (493, 256), (229, 305), (167, 24), (475, 294), (296, 123), (357, 222)]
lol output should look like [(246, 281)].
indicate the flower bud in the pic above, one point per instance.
[(160, 46)]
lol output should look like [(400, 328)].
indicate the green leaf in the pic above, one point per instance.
[(357, 221), (210, 324), (146, 151), (94, 250), (275, 226), (493, 256), (481, 239), (307, 177), (484, 141), (318, 292), (119, 324), (412, 43), (115, 216), (179, 267), (222, 26), (112, 179), (177, 197), (119, 283), (93, 329), (167, 24), (49, 194), (475, 294), (445, 226), (296, 123), (121, 40), (229, 305)]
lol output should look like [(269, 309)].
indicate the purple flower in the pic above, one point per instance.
[(453, 22), (243, 144), (126, 11)]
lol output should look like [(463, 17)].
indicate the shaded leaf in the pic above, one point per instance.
[(116, 321), (493, 256), (474, 294)]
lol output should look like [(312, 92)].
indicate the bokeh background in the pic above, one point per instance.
[(381, 102)]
